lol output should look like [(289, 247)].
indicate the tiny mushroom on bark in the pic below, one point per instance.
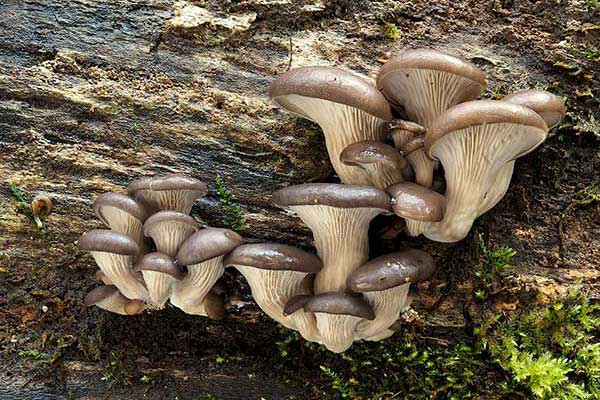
[(382, 162), (115, 254), (159, 272), (276, 273), (337, 316), (169, 229), (167, 192), (110, 299), (202, 253), (347, 108), (474, 141), (385, 281), (339, 217), (41, 207), (417, 204)]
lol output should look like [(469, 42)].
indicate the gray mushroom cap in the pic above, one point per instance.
[(295, 303), (206, 244), (105, 240), (159, 262), (274, 257), (340, 304), (392, 270), (167, 182), (409, 126), (549, 106), (120, 201), (415, 202), (372, 152), (98, 294)]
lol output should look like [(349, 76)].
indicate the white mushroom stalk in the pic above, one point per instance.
[(160, 273), (421, 164), (474, 141), (347, 108)]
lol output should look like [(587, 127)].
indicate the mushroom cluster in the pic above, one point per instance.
[(154, 251)]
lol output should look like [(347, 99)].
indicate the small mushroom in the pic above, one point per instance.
[(122, 214), (159, 272), (169, 229), (385, 281), (422, 165), (346, 107), (382, 162), (338, 315), (339, 217), (110, 299), (417, 204), (167, 192), (276, 273), (402, 131), (115, 254), (474, 141), (41, 207), (202, 253)]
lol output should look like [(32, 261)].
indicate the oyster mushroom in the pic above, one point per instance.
[(339, 217), (122, 214), (417, 205), (421, 164), (159, 272), (276, 273), (346, 107), (167, 192), (115, 254), (402, 131), (110, 299), (169, 229), (202, 253), (41, 207), (338, 315), (381, 162), (385, 281), (474, 141)]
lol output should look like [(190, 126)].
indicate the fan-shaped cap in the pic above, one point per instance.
[(413, 144), (168, 216), (100, 293), (549, 106), (415, 202), (120, 201), (332, 194), (483, 112), (295, 303), (392, 270), (331, 84), (206, 244), (372, 152), (105, 240), (159, 262), (407, 126), (340, 304), (167, 182), (274, 257)]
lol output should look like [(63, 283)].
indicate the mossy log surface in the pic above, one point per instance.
[(96, 93)]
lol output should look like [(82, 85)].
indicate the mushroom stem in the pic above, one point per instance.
[(117, 269), (38, 222), (422, 166), (201, 277), (337, 331), (387, 305)]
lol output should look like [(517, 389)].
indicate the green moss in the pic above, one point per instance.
[(233, 217), (391, 32)]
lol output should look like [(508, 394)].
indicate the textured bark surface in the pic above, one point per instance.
[(96, 93)]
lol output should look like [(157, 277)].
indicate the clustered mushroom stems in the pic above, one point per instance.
[(340, 296)]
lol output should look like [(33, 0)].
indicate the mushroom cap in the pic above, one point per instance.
[(274, 257), (100, 293), (41, 206), (482, 112), (108, 241), (392, 270), (159, 262), (340, 304), (413, 144), (432, 60), (206, 244), (333, 195), (372, 152), (295, 303), (331, 84), (168, 216), (167, 182), (120, 201), (415, 202), (549, 106), (407, 126)]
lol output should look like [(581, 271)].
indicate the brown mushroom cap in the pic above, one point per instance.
[(41, 206), (332, 194), (549, 106), (392, 270), (413, 144), (407, 126), (415, 202), (159, 262), (120, 201), (433, 60), (340, 304), (206, 244), (98, 294), (105, 240), (372, 152), (295, 303), (167, 182), (331, 84), (482, 112), (168, 216), (274, 257)]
